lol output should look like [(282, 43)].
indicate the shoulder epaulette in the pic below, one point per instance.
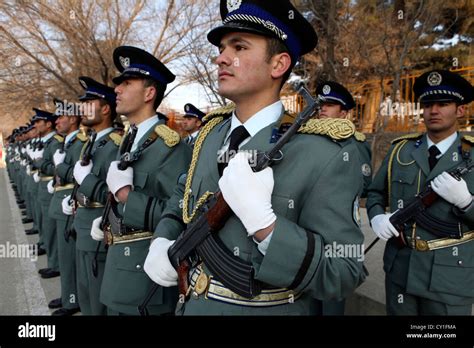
[(335, 128), (116, 138), (59, 138), (169, 136), (82, 137), (407, 137), (360, 136), (223, 111), (468, 138)]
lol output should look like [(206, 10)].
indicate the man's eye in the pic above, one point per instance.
[(239, 48)]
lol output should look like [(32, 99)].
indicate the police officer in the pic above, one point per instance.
[(155, 161), (61, 186), (192, 122), (338, 102), (285, 215), (45, 122), (98, 113), (429, 270)]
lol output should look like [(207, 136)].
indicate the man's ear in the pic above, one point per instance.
[(460, 109), (280, 63), (150, 93), (106, 109)]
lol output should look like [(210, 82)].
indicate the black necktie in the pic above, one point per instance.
[(238, 135), (434, 151)]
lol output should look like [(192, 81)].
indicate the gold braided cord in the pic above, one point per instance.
[(336, 128), (398, 155), (359, 136), (169, 136), (389, 170), (203, 133), (229, 108)]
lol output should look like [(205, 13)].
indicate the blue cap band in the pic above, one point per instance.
[(145, 70), (255, 14)]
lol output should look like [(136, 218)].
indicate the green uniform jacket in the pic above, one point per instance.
[(64, 171), (155, 174), (365, 161), (46, 166), (316, 187), (94, 187), (445, 275)]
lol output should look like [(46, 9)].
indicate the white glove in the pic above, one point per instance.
[(116, 178), (382, 226), (23, 150), (58, 157), (28, 170), (36, 177), (50, 187), (157, 264), (80, 172), (452, 190), (39, 154), (66, 205), (249, 194), (96, 233)]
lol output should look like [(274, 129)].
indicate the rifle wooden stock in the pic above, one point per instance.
[(219, 213)]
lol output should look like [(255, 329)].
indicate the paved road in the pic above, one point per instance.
[(22, 290)]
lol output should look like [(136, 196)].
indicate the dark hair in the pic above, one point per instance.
[(275, 46), (113, 112), (160, 91)]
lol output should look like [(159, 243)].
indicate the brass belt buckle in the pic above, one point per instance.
[(421, 245), (201, 284)]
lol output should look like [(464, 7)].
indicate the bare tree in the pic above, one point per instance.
[(48, 44)]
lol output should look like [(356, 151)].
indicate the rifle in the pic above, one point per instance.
[(200, 234), (111, 203), (86, 158), (415, 211)]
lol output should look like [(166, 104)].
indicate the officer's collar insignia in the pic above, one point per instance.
[(83, 83), (434, 79), (326, 89), (124, 61), (418, 143), (233, 5)]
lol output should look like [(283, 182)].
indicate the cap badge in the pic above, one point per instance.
[(187, 108), (83, 83), (233, 5), (326, 89), (125, 62), (434, 79)]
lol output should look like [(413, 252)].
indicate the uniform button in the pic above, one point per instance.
[(138, 267), (460, 262)]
